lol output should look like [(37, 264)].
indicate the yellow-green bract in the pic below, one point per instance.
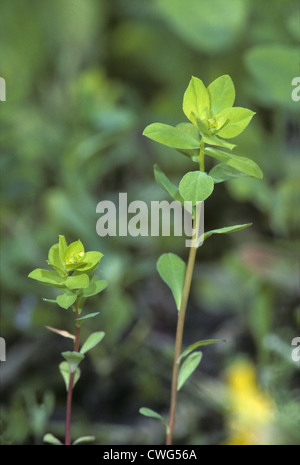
[(72, 269)]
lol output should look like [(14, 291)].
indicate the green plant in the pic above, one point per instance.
[(213, 119), (72, 276)]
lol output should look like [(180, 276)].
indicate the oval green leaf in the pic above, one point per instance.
[(48, 277), (84, 439), (65, 371), (92, 341), (73, 359), (77, 282), (222, 93), (66, 300), (196, 186), (51, 439), (188, 367), (237, 118), (224, 172), (170, 136), (147, 412), (172, 270), (195, 100), (94, 288)]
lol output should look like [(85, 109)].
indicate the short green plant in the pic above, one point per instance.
[(212, 120), (72, 276)]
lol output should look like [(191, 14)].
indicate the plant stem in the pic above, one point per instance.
[(181, 316), (178, 341), (201, 157), (70, 387)]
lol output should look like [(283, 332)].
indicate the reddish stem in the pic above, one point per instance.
[(70, 388)]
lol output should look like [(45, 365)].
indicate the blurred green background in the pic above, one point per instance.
[(83, 79)]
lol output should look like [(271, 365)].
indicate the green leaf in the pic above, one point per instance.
[(50, 439), (227, 229), (190, 129), (66, 300), (147, 412), (224, 172), (217, 153), (90, 262), (194, 346), (215, 140), (48, 277), (50, 301), (92, 341), (237, 118), (84, 439), (244, 164), (94, 287), (74, 255), (54, 259), (196, 100), (65, 371), (188, 367), (73, 359), (196, 186), (89, 315), (222, 93), (77, 282), (170, 136), (164, 181), (62, 246), (172, 270)]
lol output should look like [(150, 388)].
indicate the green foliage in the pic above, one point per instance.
[(196, 186), (91, 76), (92, 341), (195, 345), (66, 370), (172, 137), (188, 367), (172, 270), (213, 117), (72, 269), (83, 439), (147, 412), (51, 439)]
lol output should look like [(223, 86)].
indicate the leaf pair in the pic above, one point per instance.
[(49, 438), (74, 358), (172, 269)]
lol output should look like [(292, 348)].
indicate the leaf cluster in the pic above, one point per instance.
[(71, 274)]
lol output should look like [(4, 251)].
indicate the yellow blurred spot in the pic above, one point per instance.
[(250, 410)]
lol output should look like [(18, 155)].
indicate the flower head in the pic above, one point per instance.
[(211, 109), (65, 258)]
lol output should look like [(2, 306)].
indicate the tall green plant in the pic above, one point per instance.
[(72, 275), (212, 120)]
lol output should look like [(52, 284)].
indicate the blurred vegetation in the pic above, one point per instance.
[(83, 79)]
